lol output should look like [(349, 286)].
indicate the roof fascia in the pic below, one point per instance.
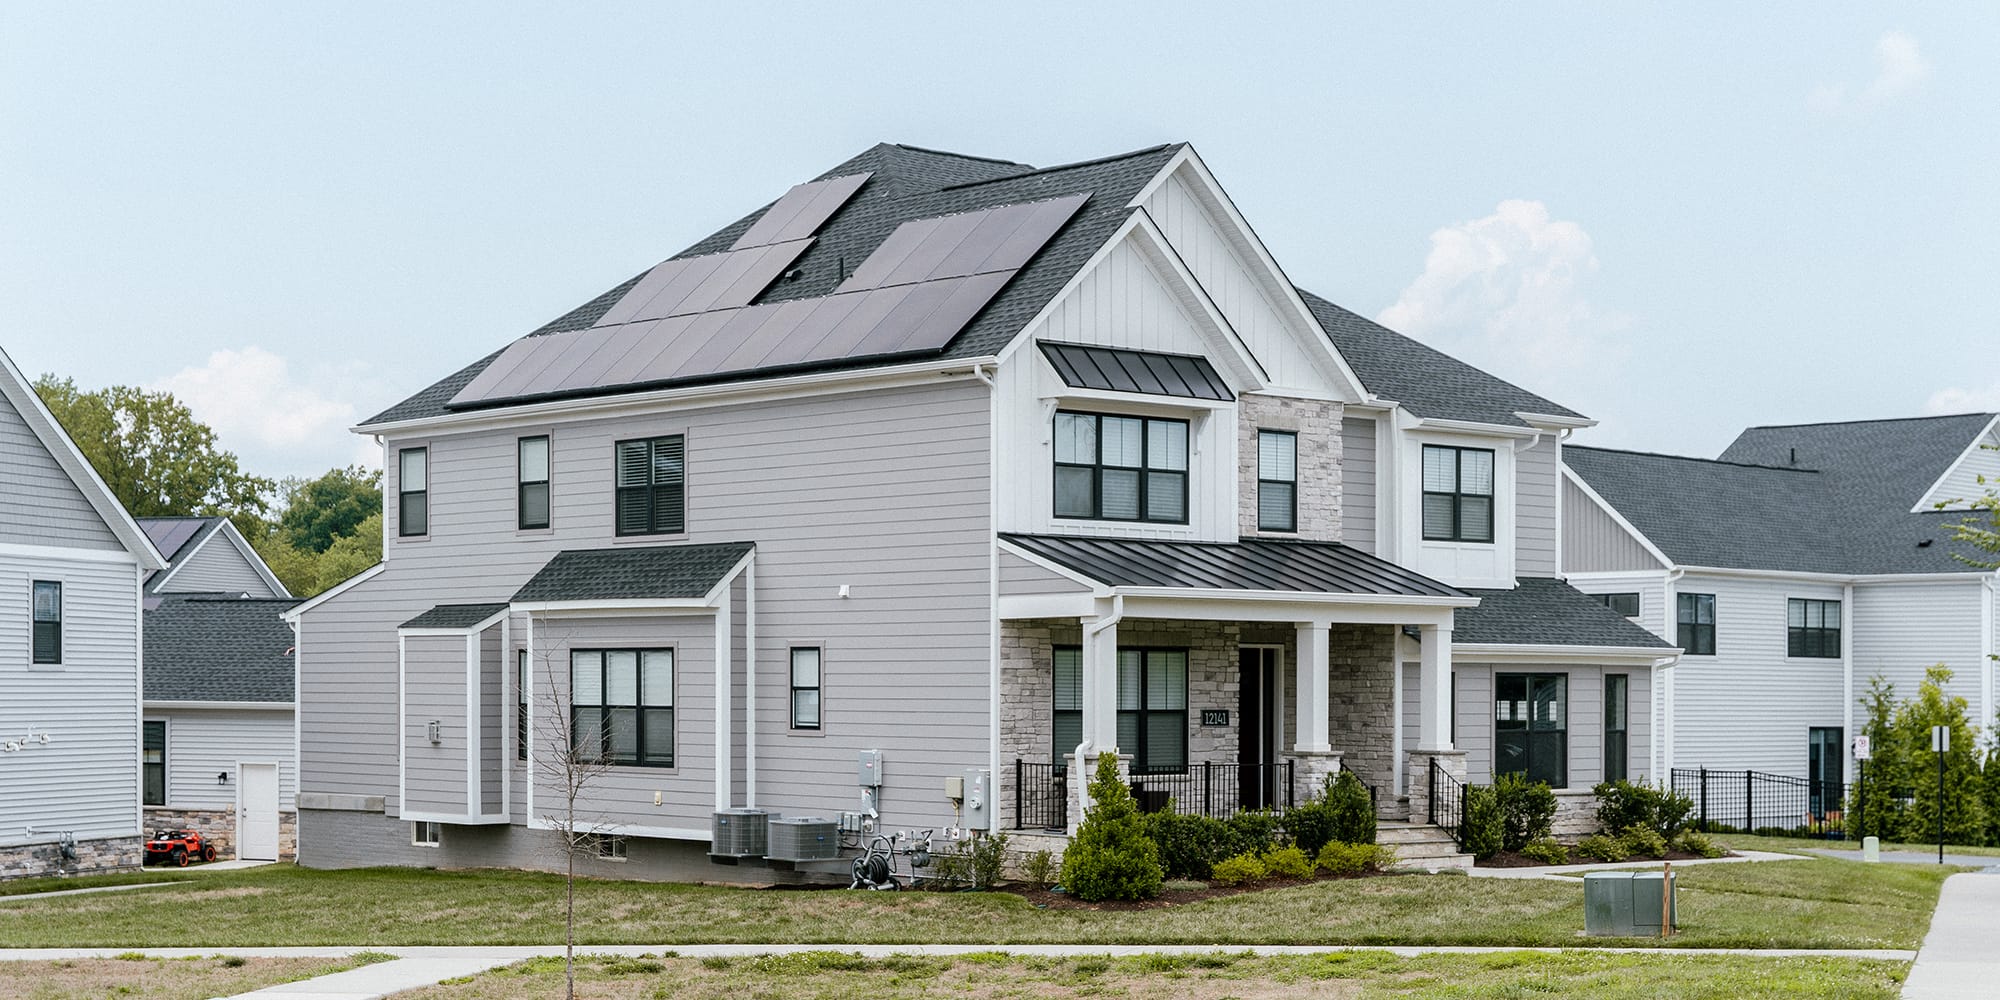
[(45, 427), (617, 606), (338, 589), (1968, 576), (1296, 597), (464, 630), (185, 705), (1928, 502), (1570, 476), (720, 592), (1480, 652), (1473, 427), (1555, 421)]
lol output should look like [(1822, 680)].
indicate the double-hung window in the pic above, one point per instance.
[(652, 486), (1152, 709), (1624, 604), (1458, 494), (1112, 468), (1277, 481), (1616, 740), (1531, 727), (1695, 615), (48, 613), (805, 687), (531, 492), (622, 706), (413, 510), (1068, 727), (153, 764), (1812, 628)]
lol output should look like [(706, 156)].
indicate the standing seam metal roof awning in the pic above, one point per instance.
[(1118, 370), (1252, 564)]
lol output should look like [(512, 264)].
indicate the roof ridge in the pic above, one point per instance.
[(1064, 166), (1690, 458), (961, 156), (1871, 420)]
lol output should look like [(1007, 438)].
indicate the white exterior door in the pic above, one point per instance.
[(257, 812)]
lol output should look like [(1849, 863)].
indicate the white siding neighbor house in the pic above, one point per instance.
[(1804, 562), (72, 564), (890, 500)]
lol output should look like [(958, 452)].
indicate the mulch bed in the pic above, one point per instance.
[(1169, 897), (1509, 859)]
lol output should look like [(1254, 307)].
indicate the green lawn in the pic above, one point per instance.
[(1746, 842), (142, 978), (1821, 903), (1338, 974)]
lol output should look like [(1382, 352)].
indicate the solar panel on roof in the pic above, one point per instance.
[(169, 535), (686, 285), (1004, 238), (801, 211)]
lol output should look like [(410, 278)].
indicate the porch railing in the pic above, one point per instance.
[(1446, 808), (1747, 801), (1216, 789), (1041, 796), (1372, 804)]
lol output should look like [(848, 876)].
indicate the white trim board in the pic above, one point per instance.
[(1930, 499)]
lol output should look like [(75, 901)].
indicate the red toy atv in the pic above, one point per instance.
[(178, 847)]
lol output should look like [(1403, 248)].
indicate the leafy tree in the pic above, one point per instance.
[(154, 455), (1962, 803), (306, 573), (1873, 801), (318, 512), (1111, 857)]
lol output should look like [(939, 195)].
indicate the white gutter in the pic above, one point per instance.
[(1478, 652), (219, 706)]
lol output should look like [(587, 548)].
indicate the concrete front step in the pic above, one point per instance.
[(1420, 845)]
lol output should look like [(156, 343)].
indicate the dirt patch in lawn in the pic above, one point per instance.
[(1174, 894), (143, 978), (1509, 859)]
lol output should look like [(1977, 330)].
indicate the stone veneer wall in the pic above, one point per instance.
[(92, 856), (1317, 423), (218, 827), (1363, 704)]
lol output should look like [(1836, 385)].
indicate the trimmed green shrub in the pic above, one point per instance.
[(1352, 810), (1237, 870), (1310, 823), (1040, 869), (1622, 805), (1252, 832), (1527, 810), (1288, 862), (1337, 858), (1189, 845), (1546, 851), (1599, 847), (1642, 842), (1111, 857), (1484, 829), (1696, 842)]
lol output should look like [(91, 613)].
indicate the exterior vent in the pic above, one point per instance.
[(739, 833), (804, 838)]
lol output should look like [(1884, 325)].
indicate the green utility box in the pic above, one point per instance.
[(1646, 890), (1625, 904)]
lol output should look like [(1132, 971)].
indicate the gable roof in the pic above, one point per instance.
[(180, 538), (1540, 611), (652, 572), (219, 647), (21, 394), (1426, 381)]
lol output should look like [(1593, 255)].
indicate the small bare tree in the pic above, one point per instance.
[(569, 754)]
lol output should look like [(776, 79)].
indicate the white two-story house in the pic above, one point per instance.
[(942, 469)]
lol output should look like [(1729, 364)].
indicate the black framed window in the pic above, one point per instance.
[(652, 486), (1277, 481), (1624, 604), (622, 706), (1812, 628), (531, 469), (1152, 709), (521, 704), (610, 847), (413, 512), (805, 687), (1112, 468), (1068, 717), (153, 764), (1695, 616), (1616, 703), (1458, 494), (48, 615), (1531, 727)]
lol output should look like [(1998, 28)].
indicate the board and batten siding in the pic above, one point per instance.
[(39, 504), (1592, 542), (1750, 705), (1474, 730), (1357, 482), (85, 780), (1537, 507), (204, 743), (218, 566), (884, 491)]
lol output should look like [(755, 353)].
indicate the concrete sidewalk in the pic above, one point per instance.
[(1960, 959), (1574, 873), (1911, 857)]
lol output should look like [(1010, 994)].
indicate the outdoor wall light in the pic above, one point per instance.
[(222, 779)]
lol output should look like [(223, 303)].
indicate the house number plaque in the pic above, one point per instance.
[(1215, 717)]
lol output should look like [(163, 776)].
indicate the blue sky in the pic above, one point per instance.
[(1678, 221)]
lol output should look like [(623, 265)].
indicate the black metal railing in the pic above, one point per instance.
[(1364, 783), (1445, 807), (1041, 796), (1753, 801), (1216, 789)]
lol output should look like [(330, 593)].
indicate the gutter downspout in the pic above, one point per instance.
[(992, 585), (1665, 689), (750, 682), (1990, 608), (1847, 666)]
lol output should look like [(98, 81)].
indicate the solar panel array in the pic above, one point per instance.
[(1147, 372), (913, 294), (801, 212), (169, 534)]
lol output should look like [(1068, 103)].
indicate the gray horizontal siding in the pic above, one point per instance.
[(218, 566), (1537, 512), (1357, 482), (1750, 706), (434, 689), (1473, 726), (205, 743), (39, 503), (1019, 576)]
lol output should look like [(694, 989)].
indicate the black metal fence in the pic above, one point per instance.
[(1756, 802), (1041, 796), (1357, 776), (1219, 789), (1446, 807)]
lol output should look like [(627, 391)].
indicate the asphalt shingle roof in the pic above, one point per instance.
[(454, 616), (1249, 564), (1842, 507), (654, 571), (218, 647), (1543, 612)]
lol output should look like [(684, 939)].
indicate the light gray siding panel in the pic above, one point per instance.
[(1473, 726), (1652, 591), (1537, 513), (218, 566), (202, 744), (39, 503), (1901, 629), (1357, 483), (1750, 706), (1019, 576), (434, 690), (1593, 542), (493, 717)]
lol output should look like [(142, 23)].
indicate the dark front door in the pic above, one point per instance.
[(1826, 768), (1257, 722)]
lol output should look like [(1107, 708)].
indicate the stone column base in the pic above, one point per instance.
[(1311, 770), (1418, 770), (1079, 779)]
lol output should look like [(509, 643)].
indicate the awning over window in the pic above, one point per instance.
[(653, 572), (1247, 565), (1117, 370)]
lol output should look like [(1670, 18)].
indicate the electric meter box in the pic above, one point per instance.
[(870, 769), (978, 799)]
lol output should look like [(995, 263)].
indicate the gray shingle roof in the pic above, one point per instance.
[(1429, 383), (653, 571), (1544, 612), (1249, 564), (218, 647), (1844, 507), (454, 616), (909, 183)]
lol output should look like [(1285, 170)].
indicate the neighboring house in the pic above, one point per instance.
[(1803, 562), (72, 564), (219, 740), (969, 463)]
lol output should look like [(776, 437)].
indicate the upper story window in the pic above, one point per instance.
[(1812, 628), (48, 622), (623, 705), (1624, 604), (1458, 494), (1112, 468), (413, 512), (1277, 481), (1696, 617), (531, 466), (652, 486)]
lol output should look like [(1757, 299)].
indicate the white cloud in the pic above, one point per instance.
[(1506, 292), (257, 408), (1955, 399), (1900, 69)]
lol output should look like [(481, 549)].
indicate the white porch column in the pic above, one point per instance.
[(1434, 688), (1100, 687), (1313, 688)]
